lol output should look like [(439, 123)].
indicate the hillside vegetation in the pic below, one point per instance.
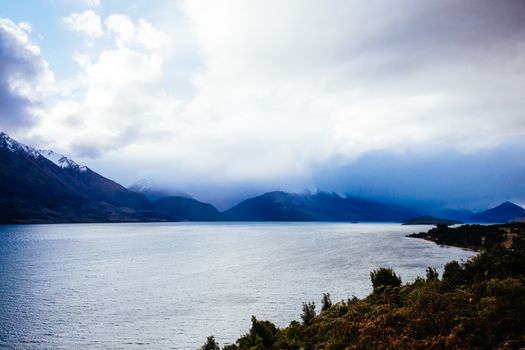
[(477, 304)]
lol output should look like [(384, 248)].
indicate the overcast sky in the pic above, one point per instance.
[(396, 100)]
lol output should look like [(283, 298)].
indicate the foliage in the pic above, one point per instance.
[(432, 274), (210, 344), (453, 273), (478, 304), (384, 277), (326, 302), (308, 312)]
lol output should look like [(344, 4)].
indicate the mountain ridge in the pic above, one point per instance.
[(322, 206), (505, 212), (42, 186)]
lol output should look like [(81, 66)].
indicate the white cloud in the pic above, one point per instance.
[(117, 97), (126, 33), (87, 23), (289, 86), (25, 78), (26, 26), (90, 3)]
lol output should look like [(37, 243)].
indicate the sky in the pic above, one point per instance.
[(404, 101)]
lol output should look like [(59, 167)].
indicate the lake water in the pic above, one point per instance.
[(160, 286)]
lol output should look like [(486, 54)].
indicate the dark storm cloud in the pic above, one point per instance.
[(20, 65), (417, 35), (438, 178)]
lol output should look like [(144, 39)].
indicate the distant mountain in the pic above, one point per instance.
[(430, 220), (153, 191), (187, 209), (504, 212), (41, 186), (453, 214), (282, 206)]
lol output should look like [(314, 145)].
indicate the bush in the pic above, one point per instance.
[(384, 277), (210, 344), (308, 313), (262, 333), (432, 274), (453, 273), (326, 302)]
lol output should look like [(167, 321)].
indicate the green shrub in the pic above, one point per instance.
[(308, 313), (210, 344), (326, 302), (432, 274), (453, 273), (384, 277), (262, 334)]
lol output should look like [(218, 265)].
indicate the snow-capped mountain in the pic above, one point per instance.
[(153, 191), (58, 159), (42, 186), (9, 144), (143, 185), (61, 160)]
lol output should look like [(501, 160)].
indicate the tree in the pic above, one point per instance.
[(262, 335), (432, 274), (454, 273), (308, 313), (384, 277), (326, 302), (210, 344)]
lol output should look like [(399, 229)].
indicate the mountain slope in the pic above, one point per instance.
[(153, 191), (282, 206), (38, 189), (187, 209), (430, 220), (502, 213)]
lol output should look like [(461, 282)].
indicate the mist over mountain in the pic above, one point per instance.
[(36, 188), (42, 186), (154, 191), (282, 206), (187, 209)]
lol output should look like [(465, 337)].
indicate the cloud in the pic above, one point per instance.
[(24, 77), (87, 23), (437, 177), (90, 3), (126, 33), (119, 95), (26, 26), (284, 89), (290, 87)]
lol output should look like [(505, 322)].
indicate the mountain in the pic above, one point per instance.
[(187, 209), (504, 212), (41, 186), (282, 206), (153, 191), (430, 220), (463, 215)]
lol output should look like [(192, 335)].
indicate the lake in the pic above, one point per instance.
[(169, 285)]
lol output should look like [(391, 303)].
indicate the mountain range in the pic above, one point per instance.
[(282, 206), (502, 213), (42, 186)]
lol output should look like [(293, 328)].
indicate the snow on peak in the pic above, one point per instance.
[(143, 185), (61, 160), (10, 144), (58, 159)]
